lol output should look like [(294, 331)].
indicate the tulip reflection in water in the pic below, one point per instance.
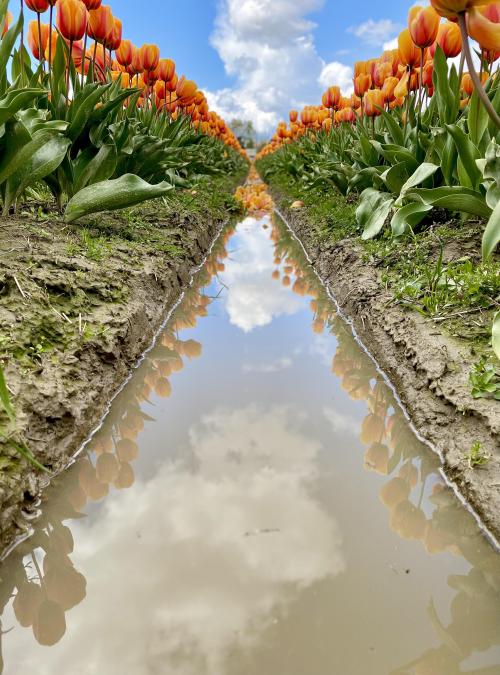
[(39, 578), (412, 472)]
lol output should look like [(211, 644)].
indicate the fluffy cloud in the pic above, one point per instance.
[(375, 33), (339, 74), (268, 46)]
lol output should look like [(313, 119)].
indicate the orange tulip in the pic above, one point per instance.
[(7, 22), (124, 53), (449, 39), (185, 90), (115, 39), (427, 74), (135, 66), (451, 8), (388, 88), (483, 25), (71, 19), (401, 90), (362, 84), (294, 116), (101, 24), (150, 57), (423, 24), (409, 53), (38, 48), (331, 97), (374, 100), (38, 6), (166, 69), (467, 86)]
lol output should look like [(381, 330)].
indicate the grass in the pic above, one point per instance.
[(477, 456)]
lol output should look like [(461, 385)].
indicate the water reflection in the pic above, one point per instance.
[(201, 563)]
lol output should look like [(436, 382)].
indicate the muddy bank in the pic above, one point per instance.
[(429, 369), (78, 307)]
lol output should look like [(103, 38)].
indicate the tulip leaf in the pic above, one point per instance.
[(394, 127), (95, 169), (83, 106), (495, 335), (446, 100), (15, 100), (395, 177), (372, 211), (113, 194), (454, 198), (424, 171), (491, 236), (410, 215), (468, 154), (477, 120), (6, 48)]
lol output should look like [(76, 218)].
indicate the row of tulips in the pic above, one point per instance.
[(103, 123), (417, 134)]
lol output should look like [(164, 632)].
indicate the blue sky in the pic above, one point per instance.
[(258, 58)]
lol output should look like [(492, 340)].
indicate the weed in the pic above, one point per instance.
[(477, 456), (485, 380)]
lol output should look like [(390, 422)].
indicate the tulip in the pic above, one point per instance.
[(294, 116), (388, 88), (483, 25), (71, 19), (401, 90), (362, 84), (135, 66), (124, 53), (381, 72), (166, 69), (91, 4), (427, 74), (38, 6), (374, 103), (150, 57), (449, 39), (185, 90), (423, 24), (115, 39), (331, 98), (38, 39), (408, 51), (101, 24), (450, 9), (7, 22)]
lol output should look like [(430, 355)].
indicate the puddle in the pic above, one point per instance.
[(255, 503)]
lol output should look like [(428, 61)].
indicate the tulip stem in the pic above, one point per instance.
[(69, 70), (51, 16), (473, 73), (84, 55), (40, 52), (94, 60), (421, 82)]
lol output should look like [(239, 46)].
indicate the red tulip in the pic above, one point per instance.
[(449, 39), (483, 25), (423, 24), (101, 23), (38, 6), (150, 57), (166, 69), (38, 48), (124, 53), (89, 4), (114, 41)]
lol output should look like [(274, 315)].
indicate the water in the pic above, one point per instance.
[(255, 504)]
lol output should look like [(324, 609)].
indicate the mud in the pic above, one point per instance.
[(429, 369), (77, 310)]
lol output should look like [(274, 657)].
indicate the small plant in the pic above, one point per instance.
[(477, 456), (485, 380)]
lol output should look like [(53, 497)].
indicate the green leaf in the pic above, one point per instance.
[(95, 169), (491, 236), (446, 99), (5, 398), (82, 107), (15, 100), (468, 154), (395, 177), (21, 154), (453, 198), (6, 48), (490, 167), (495, 335), (477, 120), (409, 216), (372, 211), (394, 127), (43, 162), (424, 171), (113, 194)]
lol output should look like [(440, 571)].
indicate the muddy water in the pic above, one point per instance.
[(255, 504)]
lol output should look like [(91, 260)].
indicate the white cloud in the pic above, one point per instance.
[(375, 33), (392, 44), (268, 46), (266, 368), (339, 74), (253, 298), (342, 423)]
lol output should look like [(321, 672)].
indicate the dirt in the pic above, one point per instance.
[(78, 307), (428, 368)]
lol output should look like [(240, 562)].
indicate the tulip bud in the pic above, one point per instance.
[(294, 116), (38, 6), (401, 90), (150, 57), (374, 100), (408, 52), (483, 25), (381, 71), (101, 24), (89, 4), (449, 39), (423, 24), (185, 90), (362, 84), (114, 40), (38, 48), (71, 19), (388, 88), (135, 66), (427, 74)]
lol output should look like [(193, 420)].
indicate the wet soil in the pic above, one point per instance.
[(429, 369), (78, 307)]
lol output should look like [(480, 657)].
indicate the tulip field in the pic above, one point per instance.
[(417, 141)]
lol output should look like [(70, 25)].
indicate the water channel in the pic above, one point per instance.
[(255, 504)]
